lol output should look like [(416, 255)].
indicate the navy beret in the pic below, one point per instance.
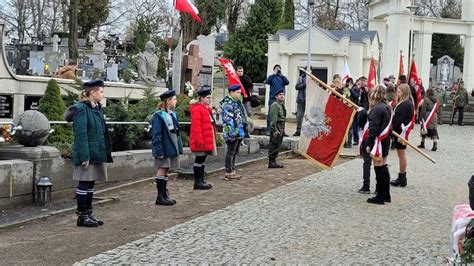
[(203, 92), (234, 87), (93, 83), (167, 94)]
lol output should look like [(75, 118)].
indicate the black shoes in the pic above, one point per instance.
[(422, 145), (347, 145), (364, 190), (83, 219), (435, 146), (401, 181), (297, 134), (355, 143), (275, 165)]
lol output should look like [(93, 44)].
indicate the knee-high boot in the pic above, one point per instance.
[(386, 184), (379, 177)]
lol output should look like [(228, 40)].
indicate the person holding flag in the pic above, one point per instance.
[(429, 119), (460, 100), (377, 142), (402, 124)]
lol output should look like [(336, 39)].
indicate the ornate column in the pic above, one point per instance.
[(423, 52)]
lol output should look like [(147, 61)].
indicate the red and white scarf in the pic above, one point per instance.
[(406, 130), (426, 123), (377, 149)]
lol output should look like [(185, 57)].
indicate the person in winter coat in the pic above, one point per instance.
[(379, 131), (277, 81), (402, 123), (440, 94), (91, 148), (233, 129), (248, 86), (166, 144), (429, 117), (202, 141), (277, 127), (460, 100), (300, 103)]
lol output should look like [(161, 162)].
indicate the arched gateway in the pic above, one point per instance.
[(392, 21)]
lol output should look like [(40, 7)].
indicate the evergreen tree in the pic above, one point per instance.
[(288, 18), (247, 47), (53, 107)]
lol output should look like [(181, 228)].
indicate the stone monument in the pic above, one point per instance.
[(207, 52), (148, 65), (192, 64), (445, 72), (176, 81), (34, 128)]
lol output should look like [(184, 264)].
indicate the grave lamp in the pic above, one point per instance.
[(43, 191)]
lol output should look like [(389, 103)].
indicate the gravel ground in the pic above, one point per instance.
[(322, 219)]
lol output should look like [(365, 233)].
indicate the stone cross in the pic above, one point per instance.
[(192, 64), (56, 41)]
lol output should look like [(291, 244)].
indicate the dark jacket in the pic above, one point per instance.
[(248, 86), (379, 118), (276, 83), (364, 98), (355, 93), (91, 137), (301, 88), (403, 115), (162, 144), (426, 108)]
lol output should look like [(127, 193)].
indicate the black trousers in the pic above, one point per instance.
[(233, 148), (461, 114), (276, 141)]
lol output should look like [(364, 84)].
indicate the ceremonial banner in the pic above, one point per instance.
[(187, 7), (325, 125), (232, 74), (346, 73), (413, 75), (371, 82), (401, 69)]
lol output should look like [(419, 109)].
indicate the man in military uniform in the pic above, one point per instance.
[(277, 128), (440, 94)]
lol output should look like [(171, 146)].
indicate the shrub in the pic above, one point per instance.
[(53, 107)]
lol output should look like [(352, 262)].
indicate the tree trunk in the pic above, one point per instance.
[(73, 7)]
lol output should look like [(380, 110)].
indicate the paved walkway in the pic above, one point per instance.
[(322, 219)]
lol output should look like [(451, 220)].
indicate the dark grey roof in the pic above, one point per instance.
[(355, 36)]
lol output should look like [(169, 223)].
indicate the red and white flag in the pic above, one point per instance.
[(414, 77), (371, 82), (187, 7), (232, 74), (401, 68), (346, 73), (325, 125)]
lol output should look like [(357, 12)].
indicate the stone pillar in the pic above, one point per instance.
[(397, 39), (423, 52), (18, 104), (467, 10), (468, 72)]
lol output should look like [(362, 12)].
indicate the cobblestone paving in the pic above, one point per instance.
[(322, 219)]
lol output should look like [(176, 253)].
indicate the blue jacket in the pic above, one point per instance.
[(162, 144), (301, 88), (276, 83), (232, 119)]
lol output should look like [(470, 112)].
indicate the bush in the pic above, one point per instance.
[(53, 107), (182, 108)]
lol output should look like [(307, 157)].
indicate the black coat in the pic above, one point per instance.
[(379, 118), (403, 115), (248, 86)]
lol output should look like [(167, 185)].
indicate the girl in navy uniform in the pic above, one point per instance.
[(377, 142), (91, 149), (166, 144)]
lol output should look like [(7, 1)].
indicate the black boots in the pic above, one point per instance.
[(83, 219), (163, 198), (273, 164), (365, 189), (401, 181), (422, 145), (382, 176), (199, 182), (435, 146)]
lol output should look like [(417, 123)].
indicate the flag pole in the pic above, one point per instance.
[(356, 107)]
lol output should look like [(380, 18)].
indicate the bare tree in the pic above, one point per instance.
[(233, 13), (440, 8)]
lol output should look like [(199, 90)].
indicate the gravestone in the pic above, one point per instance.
[(112, 72), (56, 41), (192, 64), (37, 62), (207, 52), (176, 80), (32, 102), (34, 128), (6, 106), (445, 72)]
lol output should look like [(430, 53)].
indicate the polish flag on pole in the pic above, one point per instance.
[(232, 74), (372, 74), (413, 77), (187, 7), (401, 68), (346, 73)]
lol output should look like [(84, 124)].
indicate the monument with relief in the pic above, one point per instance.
[(445, 72), (148, 65)]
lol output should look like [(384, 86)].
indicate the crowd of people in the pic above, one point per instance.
[(393, 105)]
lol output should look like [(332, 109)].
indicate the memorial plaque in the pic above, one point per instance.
[(6, 106), (32, 102), (205, 77)]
